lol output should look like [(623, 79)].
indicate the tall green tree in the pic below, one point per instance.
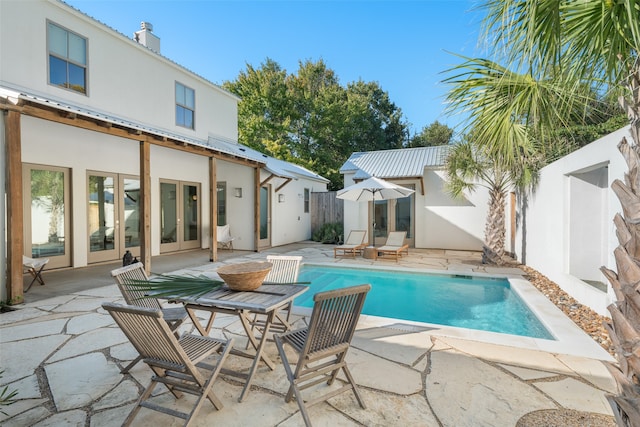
[(432, 135), (594, 43), (309, 118)]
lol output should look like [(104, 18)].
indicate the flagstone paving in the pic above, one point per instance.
[(63, 355)]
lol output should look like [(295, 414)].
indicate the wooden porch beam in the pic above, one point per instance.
[(283, 184), (213, 210), (145, 205), (256, 208), (15, 217), (269, 178)]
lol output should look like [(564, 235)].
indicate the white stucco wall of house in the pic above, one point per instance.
[(124, 78), (81, 151), (569, 222), (441, 222), (240, 213)]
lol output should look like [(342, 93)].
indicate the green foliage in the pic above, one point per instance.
[(7, 397), (432, 135), (310, 119), (329, 233)]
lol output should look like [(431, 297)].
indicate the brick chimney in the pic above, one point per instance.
[(146, 37)]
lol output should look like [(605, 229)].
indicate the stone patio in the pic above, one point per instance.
[(63, 354)]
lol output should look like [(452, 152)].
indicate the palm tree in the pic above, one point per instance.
[(575, 44), (470, 165)]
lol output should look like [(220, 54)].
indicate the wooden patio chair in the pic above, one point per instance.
[(322, 346), (179, 364), (354, 245), (135, 296), (394, 246), (34, 267), (285, 270), (224, 238)]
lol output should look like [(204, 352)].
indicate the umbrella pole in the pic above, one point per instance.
[(372, 238)]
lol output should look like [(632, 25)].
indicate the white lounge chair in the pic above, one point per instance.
[(354, 244), (224, 238), (394, 246)]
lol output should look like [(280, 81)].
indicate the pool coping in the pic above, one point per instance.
[(570, 339)]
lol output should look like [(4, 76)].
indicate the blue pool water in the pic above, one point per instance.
[(463, 301)]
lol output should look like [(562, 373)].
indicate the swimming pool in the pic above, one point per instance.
[(471, 302)]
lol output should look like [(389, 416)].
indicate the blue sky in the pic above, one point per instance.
[(402, 45)]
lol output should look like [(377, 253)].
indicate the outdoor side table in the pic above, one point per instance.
[(370, 252)]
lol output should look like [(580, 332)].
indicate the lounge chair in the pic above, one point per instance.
[(34, 267), (394, 246), (224, 238), (285, 270), (322, 346), (176, 363), (354, 244)]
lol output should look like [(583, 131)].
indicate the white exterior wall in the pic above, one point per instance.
[(440, 221), (569, 223), (124, 78), (449, 223), (289, 222), (240, 215), (81, 151)]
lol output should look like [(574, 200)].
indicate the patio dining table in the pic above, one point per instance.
[(267, 299)]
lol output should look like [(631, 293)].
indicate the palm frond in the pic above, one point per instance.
[(177, 286)]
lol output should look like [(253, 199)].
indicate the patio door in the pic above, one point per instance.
[(47, 219), (394, 215), (265, 217), (113, 216), (179, 215)]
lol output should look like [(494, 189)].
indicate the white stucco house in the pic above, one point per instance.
[(431, 217), (108, 146)]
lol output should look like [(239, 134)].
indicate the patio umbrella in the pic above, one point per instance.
[(373, 189)]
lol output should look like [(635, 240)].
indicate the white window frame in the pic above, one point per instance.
[(67, 59), (184, 106)]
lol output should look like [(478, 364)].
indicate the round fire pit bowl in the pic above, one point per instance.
[(247, 276)]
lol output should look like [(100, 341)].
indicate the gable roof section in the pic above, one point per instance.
[(400, 163)]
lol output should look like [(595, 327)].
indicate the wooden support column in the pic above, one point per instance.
[(256, 207), (145, 205), (15, 214), (213, 210)]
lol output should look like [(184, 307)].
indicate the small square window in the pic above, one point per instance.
[(67, 59), (185, 106)]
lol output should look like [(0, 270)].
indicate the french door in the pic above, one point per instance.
[(394, 215), (179, 215), (47, 219), (113, 214)]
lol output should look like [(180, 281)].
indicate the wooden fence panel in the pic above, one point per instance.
[(325, 208)]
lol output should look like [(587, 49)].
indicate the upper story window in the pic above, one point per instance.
[(67, 59), (185, 106)]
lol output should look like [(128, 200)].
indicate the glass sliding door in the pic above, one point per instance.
[(179, 215), (394, 215), (102, 218), (131, 214), (169, 217), (265, 216), (191, 217), (46, 214)]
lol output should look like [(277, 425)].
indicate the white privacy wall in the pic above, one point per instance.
[(569, 222)]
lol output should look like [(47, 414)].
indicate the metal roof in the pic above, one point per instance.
[(275, 166), (401, 163)]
